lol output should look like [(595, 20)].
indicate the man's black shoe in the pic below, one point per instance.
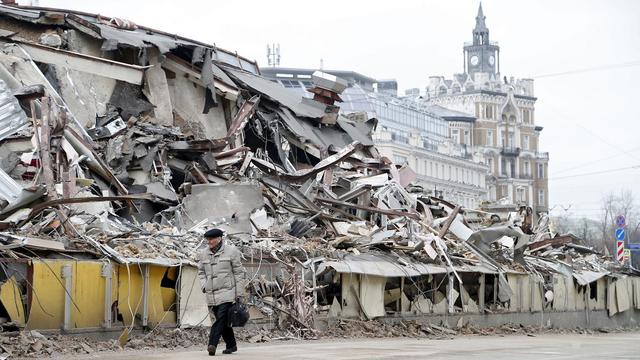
[(230, 350), (212, 350)]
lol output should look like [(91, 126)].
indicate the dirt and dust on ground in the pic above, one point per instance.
[(33, 344)]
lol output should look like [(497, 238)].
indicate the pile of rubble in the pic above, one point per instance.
[(33, 344), (124, 143)]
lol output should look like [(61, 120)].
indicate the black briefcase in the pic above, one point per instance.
[(238, 314)]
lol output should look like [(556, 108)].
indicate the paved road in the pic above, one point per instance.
[(565, 347)]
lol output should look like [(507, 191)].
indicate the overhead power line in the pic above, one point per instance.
[(622, 151), (592, 162), (596, 172), (596, 68)]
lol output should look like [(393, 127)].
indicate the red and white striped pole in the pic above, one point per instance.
[(620, 250)]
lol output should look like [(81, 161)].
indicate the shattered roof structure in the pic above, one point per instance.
[(118, 33)]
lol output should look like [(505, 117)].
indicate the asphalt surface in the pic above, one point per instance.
[(546, 346)]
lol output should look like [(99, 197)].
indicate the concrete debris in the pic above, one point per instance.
[(120, 193)]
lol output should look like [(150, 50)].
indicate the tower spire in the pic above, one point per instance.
[(480, 24)]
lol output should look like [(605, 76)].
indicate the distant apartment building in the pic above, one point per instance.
[(408, 132), (504, 130)]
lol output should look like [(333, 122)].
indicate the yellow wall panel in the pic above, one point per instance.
[(130, 293), (12, 301), (47, 301), (157, 314), (130, 284), (88, 294)]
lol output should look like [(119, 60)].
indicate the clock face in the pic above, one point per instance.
[(474, 60), (491, 60)]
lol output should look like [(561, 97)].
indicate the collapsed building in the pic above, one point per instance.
[(121, 145)]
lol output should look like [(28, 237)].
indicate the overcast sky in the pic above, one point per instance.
[(591, 119)]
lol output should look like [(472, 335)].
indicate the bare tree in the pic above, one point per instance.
[(608, 204), (562, 224), (621, 204), (588, 230)]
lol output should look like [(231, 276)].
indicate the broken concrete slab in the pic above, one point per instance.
[(227, 206), (157, 90)]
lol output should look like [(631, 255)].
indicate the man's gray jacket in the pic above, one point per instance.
[(222, 276)]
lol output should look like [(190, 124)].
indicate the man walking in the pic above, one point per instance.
[(222, 278)]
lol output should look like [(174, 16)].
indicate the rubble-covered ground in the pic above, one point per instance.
[(33, 344)]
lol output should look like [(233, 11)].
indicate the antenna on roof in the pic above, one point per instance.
[(273, 55)]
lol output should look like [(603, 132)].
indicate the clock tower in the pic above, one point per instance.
[(481, 55)]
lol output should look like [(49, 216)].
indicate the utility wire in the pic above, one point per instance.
[(596, 172), (591, 69), (592, 133), (591, 162)]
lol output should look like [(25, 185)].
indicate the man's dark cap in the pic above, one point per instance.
[(213, 233)]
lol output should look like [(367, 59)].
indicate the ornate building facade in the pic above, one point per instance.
[(504, 131), (408, 132)]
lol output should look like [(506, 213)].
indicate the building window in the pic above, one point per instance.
[(489, 138), (399, 159), (455, 136), (307, 84), (489, 111), (490, 164), (540, 171), (467, 137), (527, 169), (525, 142), (290, 83), (540, 197), (520, 194), (399, 137)]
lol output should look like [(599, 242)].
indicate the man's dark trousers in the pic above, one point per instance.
[(221, 326)]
